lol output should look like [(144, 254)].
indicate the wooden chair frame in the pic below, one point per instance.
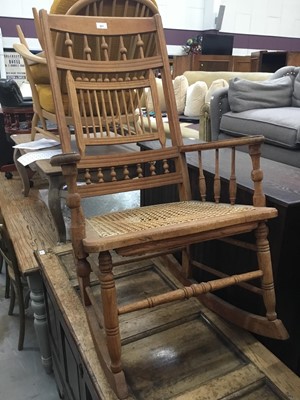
[(151, 230), (137, 8)]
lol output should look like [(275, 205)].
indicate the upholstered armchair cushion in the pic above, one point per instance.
[(195, 98), (161, 97), (61, 6), (40, 73), (280, 125), (46, 98), (181, 85), (246, 95), (216, 84)]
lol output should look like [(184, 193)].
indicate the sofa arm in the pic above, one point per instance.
[(285, 71), (218, 106), (204, 123)]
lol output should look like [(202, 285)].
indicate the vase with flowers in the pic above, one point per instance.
[(193, 45)]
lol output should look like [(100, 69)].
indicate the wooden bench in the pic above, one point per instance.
[(31, 228)]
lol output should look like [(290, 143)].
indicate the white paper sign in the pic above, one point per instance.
[(33, 156)]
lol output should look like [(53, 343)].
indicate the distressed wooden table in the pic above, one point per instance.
[(178, 351), (31, 228)]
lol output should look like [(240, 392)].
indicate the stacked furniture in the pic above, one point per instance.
[(36, 66)]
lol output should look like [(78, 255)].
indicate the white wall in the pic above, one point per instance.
[(262, 17), (259, 17), (178, 14), (22, 8)]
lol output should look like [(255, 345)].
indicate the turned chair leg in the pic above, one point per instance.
[(265, 264), (110, 311)]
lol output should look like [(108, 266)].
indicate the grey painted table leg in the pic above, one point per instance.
[(40, 319), (55, 184), (22, 172)]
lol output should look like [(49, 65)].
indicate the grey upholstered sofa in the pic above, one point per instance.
[(270, 108)]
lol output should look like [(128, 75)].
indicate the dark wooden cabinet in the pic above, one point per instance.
[(268, 61), (212, 63), (293, 58), (241, 63), (271, 61), (201, 62), (181, 64), (259, 61), (71, 375)]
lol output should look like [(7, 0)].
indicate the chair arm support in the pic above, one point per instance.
[(218, 106), (26, 53), (254, 144)]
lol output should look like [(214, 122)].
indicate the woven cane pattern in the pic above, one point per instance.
[(151, 217)]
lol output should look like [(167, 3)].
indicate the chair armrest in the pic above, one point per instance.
[(219, 105), (65, 159), (26, 53), (224, 143)]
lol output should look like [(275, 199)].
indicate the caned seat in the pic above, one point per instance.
[(161, 229), (127, 226)]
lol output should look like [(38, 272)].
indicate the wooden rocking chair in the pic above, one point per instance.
[(159, 229)]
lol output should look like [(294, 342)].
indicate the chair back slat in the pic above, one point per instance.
[(232, 179), (107, 98), (202, 180), (217, 180)]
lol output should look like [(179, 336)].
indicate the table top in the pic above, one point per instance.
[(150, 336), (46, 168), (28, 222), (280, 183)]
